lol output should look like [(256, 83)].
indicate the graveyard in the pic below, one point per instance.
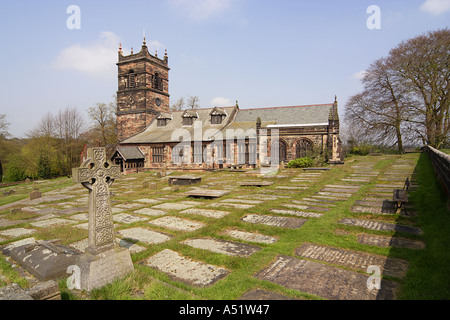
[(286, 234)]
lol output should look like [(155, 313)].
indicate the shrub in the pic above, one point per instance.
[(304, 162)]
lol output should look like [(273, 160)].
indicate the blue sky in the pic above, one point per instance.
[(262, 53)]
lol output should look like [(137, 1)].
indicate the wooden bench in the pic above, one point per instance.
[(400, 196)]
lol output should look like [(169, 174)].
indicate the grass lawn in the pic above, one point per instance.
[(427, 274)]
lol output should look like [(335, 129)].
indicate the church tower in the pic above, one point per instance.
[(143, 90)]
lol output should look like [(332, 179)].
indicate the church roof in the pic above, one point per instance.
[(130, 153), (175, 131), (234, 118), (311, 115)]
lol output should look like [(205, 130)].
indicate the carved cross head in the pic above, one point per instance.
[(96, 170)]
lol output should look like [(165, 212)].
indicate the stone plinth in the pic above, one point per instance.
[(97, 270)]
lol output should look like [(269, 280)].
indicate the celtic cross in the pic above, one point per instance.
[(96, 174)]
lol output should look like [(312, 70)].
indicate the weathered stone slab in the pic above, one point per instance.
[(255, 183), (184, 180), (382, 241), (291, 188), (232, 205), (44, 259), (382, 226), (184, 269), (9, 223), (207, 193), (321, 201), (51, 222), (323, 280), (313, 203), (144, 235), (229, 248), (128, 205), (275, 221), (372, 210), (216, 214), (259, 294), (374, 202), (178, 224), (80, 217), (172, 206), (353, 259), (127, 218), (335, 194), (304, 207), (242, 201), (297, 213), (17, 232), (14, 292), (343, 191), (150, 212), (249, 236), (7, 248), (149, 201), (35, 194), (132, 247)]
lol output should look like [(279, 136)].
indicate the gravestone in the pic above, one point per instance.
[(46, 260), (184, 180), (103, 260), (35, 194), (207, 193)]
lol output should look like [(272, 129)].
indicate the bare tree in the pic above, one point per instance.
[(3, 126), (179, 105), (423, 64), (193, 102), (103, 116)]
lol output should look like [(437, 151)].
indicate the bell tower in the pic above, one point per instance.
[(143, 90)]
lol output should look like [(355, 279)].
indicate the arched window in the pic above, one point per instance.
[(157, 82), (131, 79), (304, 148)]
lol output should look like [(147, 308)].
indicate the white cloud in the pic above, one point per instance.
[(359, 75), (220, 102), (201, 9), (436, 6), (98, 59)]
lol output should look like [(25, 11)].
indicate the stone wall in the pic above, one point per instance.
[(441, 165)]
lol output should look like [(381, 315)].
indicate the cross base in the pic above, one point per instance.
[(98, 270)]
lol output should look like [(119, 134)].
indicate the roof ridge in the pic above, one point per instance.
[(301, 106)]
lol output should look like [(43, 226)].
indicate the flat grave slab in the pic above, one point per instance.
[(381, 226), (232, 205), (207, 193), (150, 212), (249, 236), (304, 207), (384, 242), (291, 187), (355, 260), (178, 224), (127, 218), (275, 221), (259, 294), (172, 206), (248, 201), (144, 235), (255, 183), (132, 205), (216, 214), (8, 223), (186, 270), (372, 210), (335, 194), (345, 191), (297, 213), (324, 281), (44, 259), (149, 201), (184, 180), (51, 222), (17, 232), (229, 248)]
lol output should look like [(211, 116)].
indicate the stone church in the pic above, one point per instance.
[(152, 137)]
